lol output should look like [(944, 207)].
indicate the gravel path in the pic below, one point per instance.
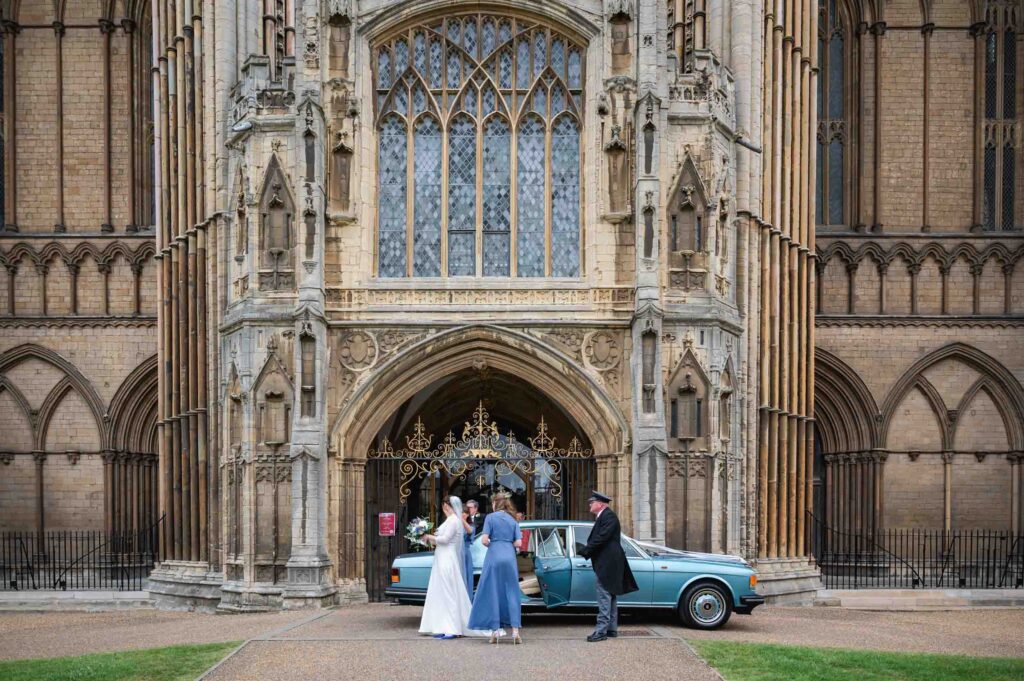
[(988, 633), (55, 634), (379, 641)]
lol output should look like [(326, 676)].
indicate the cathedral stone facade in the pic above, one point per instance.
[(276, 270)]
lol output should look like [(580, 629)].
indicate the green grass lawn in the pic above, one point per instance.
[(757, 662), (175, 663)]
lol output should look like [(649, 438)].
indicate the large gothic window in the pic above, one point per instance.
[(478, 157), (832, 122), (1000, 96)]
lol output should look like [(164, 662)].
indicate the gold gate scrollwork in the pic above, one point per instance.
[(480, 443)]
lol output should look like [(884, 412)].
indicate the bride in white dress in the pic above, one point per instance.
[(446, 610)]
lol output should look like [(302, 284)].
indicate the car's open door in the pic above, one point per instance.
[(552, 566)]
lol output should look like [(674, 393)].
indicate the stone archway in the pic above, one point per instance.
[(546, 370)]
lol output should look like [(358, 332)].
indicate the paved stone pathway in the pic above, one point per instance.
[(380, 642)]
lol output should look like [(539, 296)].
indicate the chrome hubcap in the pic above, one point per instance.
[(706, 606)]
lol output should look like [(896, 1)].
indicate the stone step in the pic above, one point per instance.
[(920, 599), (61, 601)]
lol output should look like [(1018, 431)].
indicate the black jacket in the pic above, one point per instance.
[(478, 524), (604, 549)]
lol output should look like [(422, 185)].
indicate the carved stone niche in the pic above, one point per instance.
[(622, 52), (687, 230), (686, 406), (277, 231), (339, 193)]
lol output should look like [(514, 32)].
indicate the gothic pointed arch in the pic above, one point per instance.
[(687, 209), (277, 229), (845, 413), (74, 379), (132, 410), (539, 364), (273, 393), (686, 404), (1006, 388)]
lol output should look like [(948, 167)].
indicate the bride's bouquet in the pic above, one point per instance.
[(416, 529)]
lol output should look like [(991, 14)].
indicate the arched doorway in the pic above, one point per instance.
[(470, 434)]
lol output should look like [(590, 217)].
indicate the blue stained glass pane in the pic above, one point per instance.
[(496, 198), (558, 56), (991, 78), (462, 198), (380, 100), (435, 63), (383, 69), (540, 101), (1008, 186), (401, 101), (454, 29), (988, 195), (835, 77), (821, 81), (540, 48), (530, 198), (391, 219), (505, 69), (454, 63), (565, 198), (489, 101), (427, 194), (419, 51), (469, 101), (557, 100), (469, 37), (1010, 75), (401, 57), (575, 73), (504, 32), (523, 63), (819, 187), (835, 182), (419, 100), (488, 32)]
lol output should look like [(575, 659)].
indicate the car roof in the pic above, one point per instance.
[(553, 523)]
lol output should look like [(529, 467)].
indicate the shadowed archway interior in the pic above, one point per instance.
[(545, 485)]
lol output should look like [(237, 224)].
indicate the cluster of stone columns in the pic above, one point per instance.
[(187, 473), (853, 490), (785, 421), (130, 482)]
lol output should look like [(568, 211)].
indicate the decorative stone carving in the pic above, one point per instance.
[(602, 351), (358, 350)]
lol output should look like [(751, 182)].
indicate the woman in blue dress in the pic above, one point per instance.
[(467, 552), (497, 601)]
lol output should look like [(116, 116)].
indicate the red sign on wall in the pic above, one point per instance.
[(386, 524)]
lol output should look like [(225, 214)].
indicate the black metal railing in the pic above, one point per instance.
[(82, 560), (917, 558)]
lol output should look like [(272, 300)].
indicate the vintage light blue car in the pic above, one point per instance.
[(705, 589)]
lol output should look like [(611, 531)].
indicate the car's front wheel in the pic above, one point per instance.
[(705, 606)]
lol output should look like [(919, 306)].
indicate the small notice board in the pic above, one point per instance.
[(386, 524)]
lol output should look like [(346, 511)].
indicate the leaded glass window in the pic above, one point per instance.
[(479, 129), (829, 187), (1000, 94)]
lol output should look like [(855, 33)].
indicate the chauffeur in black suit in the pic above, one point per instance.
[(614, 578)]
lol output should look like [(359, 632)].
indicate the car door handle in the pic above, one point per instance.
[(582, 563)]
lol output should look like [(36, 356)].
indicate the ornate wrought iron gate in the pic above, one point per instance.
[(545, 481)]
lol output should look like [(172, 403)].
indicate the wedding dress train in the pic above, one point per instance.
[(446, 610)]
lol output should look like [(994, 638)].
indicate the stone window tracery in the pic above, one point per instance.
[(1000, 94), (478, 162), (830, 204)]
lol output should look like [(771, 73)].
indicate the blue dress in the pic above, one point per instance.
[(498, 599), (467, 561)]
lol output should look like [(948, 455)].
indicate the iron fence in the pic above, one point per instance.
[(918, 558), (82, 560)]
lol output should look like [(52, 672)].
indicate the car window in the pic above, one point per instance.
[(582, 534), (550, 542)]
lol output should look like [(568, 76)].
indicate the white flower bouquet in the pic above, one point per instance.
[(415, 530)]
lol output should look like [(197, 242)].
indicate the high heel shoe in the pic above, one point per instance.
[(516, 640)]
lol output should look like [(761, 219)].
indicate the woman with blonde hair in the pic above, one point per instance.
[(497, 601)]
